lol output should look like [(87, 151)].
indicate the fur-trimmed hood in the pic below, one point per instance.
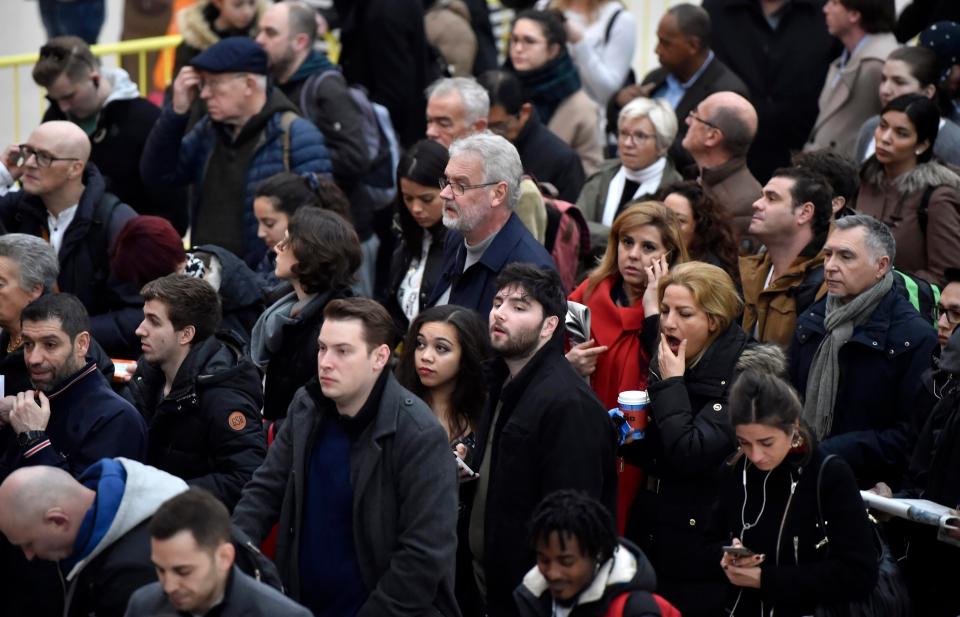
[(914, 181), (197, 29), (763, 358)]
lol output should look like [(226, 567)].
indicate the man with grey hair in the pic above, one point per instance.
[(857, 356), (480, 190), (719, 133), (456, 107)]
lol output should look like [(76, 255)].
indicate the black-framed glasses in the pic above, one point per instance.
[(44, 159), (460, 189), (952, 314), (702, 121)]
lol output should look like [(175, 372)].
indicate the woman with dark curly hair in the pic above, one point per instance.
[(318, 255), (441, 363), (706, 234)]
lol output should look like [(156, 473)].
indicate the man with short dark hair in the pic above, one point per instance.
[(719, 133), (544, 155), (858, 355), (199, 393), (250, 132), (544, 430), (849, 95), (73, 418), (840, 171), (688, 72), (191, 548), (791, 219), (108, 107), (362, 481)]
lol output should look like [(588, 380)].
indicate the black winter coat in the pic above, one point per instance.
[(552, 433), (783, 68), (800, 571), (208, 430), (881, 367), (548, 158), (84, 268), (403, 255), (687, 439), (296, 362), (116, 145)]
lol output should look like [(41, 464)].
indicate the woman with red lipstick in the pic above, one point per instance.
[(442, 360), (769, 504), (688, 435), (644, 241), (418, 259), (916, 197)]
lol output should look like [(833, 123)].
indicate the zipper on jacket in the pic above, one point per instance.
[(796, 550), (783, 521)]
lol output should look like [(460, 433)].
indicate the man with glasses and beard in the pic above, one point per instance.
[(481, 189), (543, 430)]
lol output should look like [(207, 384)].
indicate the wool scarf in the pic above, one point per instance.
[(824, 377), (550, 85)]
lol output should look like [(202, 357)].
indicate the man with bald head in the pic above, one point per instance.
[(64, 201), (95, 526), (719, 133)]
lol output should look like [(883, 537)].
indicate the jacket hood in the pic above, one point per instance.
[(914, 181), (123, 87), (950, 356), (764, 358), (628, 570), (145, 490), (239, 286), (316, 62)]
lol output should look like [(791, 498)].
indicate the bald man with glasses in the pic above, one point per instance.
[(64, 201)]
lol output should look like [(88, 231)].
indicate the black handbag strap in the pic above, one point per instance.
[(823, 523)]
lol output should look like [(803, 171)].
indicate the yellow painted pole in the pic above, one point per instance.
[(142, 66)]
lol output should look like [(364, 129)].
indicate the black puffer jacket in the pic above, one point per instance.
[(208, 430), (628, 571), (241, 297), (687, 440)]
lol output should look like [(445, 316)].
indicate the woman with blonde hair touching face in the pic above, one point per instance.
[(621, 293), (771, 497), (688, 435)]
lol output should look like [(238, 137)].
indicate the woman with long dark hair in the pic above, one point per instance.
[(418, 259), (441, 363), (773, 495), (917, 198), (705, 232)]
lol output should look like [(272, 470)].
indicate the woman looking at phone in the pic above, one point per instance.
[(768, 499)]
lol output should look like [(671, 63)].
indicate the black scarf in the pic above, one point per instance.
[(549, 85)]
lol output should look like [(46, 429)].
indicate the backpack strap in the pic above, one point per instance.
[(913, 290), (286, 121), (823, 523), (99, 229), (922, 209), (609, 29)]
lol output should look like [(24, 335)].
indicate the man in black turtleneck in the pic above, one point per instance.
[(251, 131), (362, 481)]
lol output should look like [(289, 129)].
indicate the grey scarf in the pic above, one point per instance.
[(824, 377), (267, 335)]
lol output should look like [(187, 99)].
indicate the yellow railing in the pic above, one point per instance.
[(140, 47)]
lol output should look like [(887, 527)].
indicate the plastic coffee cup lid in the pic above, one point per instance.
[(633, 397)]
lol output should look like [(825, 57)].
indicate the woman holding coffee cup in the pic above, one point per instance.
[(688, 434), (621, 293)]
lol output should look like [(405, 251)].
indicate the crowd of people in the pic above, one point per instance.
[(353, 339)]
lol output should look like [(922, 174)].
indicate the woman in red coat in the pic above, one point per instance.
[(621, 293)]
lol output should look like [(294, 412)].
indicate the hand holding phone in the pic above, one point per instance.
[(738, 551), (465, 472)]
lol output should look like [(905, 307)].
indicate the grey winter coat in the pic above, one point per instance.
[(404, 502)]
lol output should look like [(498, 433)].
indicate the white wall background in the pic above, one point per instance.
[(22, 32)]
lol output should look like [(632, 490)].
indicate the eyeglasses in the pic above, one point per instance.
[(44, 159), (702, 121), (952, 314), (216, 83), (460, 189), (526, 41), (637, 137)]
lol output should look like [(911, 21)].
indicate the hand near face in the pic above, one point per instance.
[(584, 356), (672, 364), (11, 156), (6, 407), (27, 415), (657, 269), (186, 87)]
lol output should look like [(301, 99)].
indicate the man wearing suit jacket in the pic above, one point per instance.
[(688, 73), (849, 96)]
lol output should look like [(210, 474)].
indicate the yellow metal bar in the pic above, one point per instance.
[(142, 76), (123, 47)]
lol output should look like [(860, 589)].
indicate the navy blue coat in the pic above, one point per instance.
[(476, 287), (171, 158), (88, 422), (880, 366)]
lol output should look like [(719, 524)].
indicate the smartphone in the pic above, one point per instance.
[(465, 467), (738, 551)]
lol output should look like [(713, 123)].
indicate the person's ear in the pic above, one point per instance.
[(225, 556), (883, 264), (930, 92), (553, 50), (185, 336), (922, 147), (712, 324), (480, 125), (500, 194), (549, 326), (57, 517), (381, 357), (301, 42), (805, 215), (82, 344), (837, 203), (524, 114), (36, 292)]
